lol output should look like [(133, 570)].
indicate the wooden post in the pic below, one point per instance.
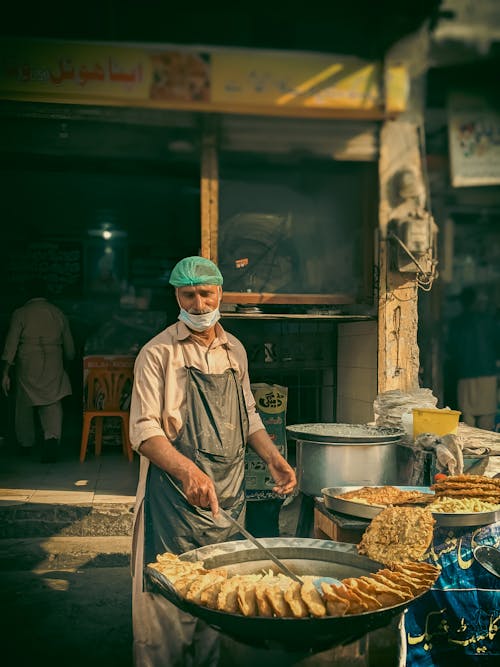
[(209, 190), (398, 354)]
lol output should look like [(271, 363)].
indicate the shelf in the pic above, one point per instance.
[(257, 298), (295, 316)]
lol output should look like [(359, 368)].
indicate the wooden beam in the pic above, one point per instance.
[(209, 190)]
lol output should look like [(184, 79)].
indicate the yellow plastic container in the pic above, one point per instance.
[(432, 420)]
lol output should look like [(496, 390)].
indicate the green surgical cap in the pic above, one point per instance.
[(195, 271)]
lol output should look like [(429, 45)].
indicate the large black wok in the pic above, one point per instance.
[(303, 556)]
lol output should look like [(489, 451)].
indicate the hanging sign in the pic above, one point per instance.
[(474, 139)]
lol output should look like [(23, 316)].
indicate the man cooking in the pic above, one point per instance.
[(192, 413)]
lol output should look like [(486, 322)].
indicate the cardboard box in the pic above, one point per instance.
[(271, 404)]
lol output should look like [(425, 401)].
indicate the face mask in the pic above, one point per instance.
[(199, 322)]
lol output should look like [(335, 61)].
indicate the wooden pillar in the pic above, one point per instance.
[(400, 150), (398, 354), (209, 190)]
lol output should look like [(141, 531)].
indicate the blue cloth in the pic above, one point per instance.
[(458, 621)]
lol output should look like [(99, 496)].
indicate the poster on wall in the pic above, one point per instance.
[(474, 139)]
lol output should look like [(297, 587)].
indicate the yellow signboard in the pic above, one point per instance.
[(307, 80), (246, 81), (64, 69)]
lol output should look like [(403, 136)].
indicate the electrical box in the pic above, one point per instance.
[(413, 240)]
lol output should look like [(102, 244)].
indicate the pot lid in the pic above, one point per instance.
[(334, 432)]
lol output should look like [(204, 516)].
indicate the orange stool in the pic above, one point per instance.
[(104, 392)]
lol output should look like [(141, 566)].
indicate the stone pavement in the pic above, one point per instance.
[(67, 497)]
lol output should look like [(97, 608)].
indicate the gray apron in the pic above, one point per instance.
[(213, 436)]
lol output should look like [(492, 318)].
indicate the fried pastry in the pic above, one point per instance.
[(336, 605), (296, 603), (398, 534), (362, 592), (247, 600), (263, 605), (183, 583), (384, 590), (276, 597), (210, 594), (386, 495), (201, 583), (311, 597), (227, 600)]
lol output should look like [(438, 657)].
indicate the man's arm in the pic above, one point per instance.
[(283, 474), (5, 377), (197, 486)]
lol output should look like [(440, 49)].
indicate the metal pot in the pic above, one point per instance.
[(321, 464), (303, 556), (335, 454)]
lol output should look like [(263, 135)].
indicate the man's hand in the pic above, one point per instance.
[(6, 385), (199, 489), (284, 476)]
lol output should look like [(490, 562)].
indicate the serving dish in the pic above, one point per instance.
[(365, 511)]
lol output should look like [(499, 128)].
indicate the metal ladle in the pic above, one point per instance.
[(489, 558), (284, 568)]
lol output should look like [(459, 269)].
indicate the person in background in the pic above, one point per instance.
[(474, 346), (37, 343), (192, 414)]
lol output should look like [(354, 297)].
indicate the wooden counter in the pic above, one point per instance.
[(335, 526)]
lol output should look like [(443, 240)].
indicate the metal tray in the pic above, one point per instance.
[(363, 511), (304, 556), (350, 433)]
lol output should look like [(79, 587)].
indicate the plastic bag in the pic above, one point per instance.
[(392, 407)]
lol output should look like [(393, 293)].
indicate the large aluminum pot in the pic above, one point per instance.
[(335, 454), (321, 465)]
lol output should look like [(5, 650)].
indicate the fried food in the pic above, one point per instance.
[(384, 590), (210, 594), (311, 597), (336, 605), (246, 599), (385, 495), (196, 589), (459, 505), (263, 605), (276, 598), (227, 600), (366, 597), (279, 596), (483, 488), (294, 599), (474, 480), (183, 583), (398, 534)]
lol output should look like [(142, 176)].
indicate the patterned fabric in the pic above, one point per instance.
[(458, 621)]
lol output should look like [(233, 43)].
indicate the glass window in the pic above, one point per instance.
[(296, 228)]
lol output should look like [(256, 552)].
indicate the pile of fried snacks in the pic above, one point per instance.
[(462, 505), (483, 488), (277, 596)]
